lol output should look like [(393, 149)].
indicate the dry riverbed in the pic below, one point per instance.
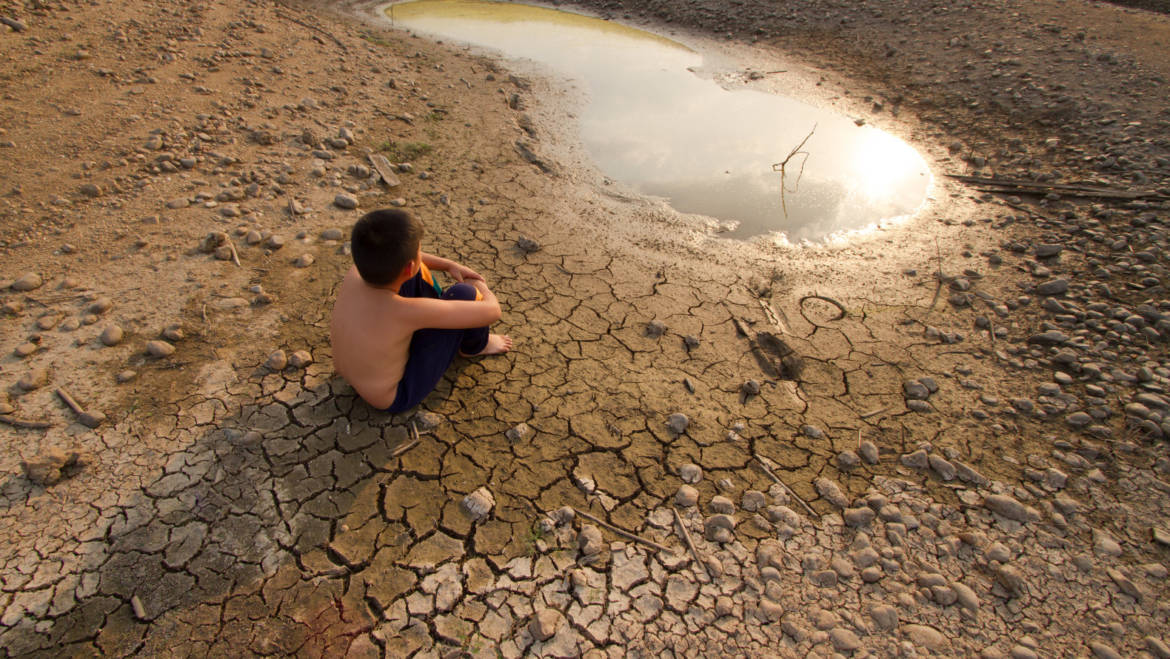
[(944, 438)]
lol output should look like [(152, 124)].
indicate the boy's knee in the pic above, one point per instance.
[(460, 291)]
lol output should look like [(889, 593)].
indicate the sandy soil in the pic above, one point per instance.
[(978, 439)]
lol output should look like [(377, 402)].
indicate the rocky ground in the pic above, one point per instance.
[(965, 457)]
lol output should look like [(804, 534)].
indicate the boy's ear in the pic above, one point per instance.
[(408, 271)]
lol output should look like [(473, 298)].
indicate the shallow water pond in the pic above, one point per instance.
[(653, 124)]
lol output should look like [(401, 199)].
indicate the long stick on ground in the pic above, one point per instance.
[(686, 536), (235, 254), (70, 401), (774, 477), (15, 422), (624, 533)]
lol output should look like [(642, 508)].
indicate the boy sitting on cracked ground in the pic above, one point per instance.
[(394, 330)]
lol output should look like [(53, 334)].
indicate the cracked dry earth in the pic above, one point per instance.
[(945, 478)]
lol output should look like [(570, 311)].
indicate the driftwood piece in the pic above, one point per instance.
[(385, 169), (624, 533), (16, 422), (771, 474), (686, 536)]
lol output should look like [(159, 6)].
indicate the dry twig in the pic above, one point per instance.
[(416, 439), (686, 536), (624, 533), (15, 422), (783, 165), (774, 477)]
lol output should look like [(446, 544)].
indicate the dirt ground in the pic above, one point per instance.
[(961, 418)]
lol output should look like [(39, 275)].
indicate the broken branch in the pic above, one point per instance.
[(24, 423), (624, 533), (782, 167), (686, 536), (768, 470)]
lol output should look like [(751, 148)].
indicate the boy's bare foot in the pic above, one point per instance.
[(497, 344)]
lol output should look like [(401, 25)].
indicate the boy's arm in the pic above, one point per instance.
[(457, 271), (455, 314)]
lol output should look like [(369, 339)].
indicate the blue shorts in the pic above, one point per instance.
[(432, 350)]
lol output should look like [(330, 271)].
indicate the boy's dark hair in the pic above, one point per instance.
[(383, 242)]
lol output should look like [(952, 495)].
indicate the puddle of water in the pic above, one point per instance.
[(653, 124)]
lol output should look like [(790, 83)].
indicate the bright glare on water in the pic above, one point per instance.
[(652, 124)]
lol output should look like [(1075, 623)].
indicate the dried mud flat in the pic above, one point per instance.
[(977, 432)]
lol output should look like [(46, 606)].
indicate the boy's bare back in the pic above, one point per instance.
[(370, 341)]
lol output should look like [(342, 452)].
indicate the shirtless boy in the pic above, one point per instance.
[(394, 331)]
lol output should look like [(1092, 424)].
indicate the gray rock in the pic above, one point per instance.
[(848, 460), (844, 640), (332, 234), (884, 617), (1048, 250), (812, 432), (859, 516), (519, 433), (1052, 287), (753, 500), (997, 551), (719, 528), (831, 492), (111, 336), (750, 388), (300, 359), (915, 390), (1157, 647), (868, 451), (686, 496), (1103, 651), (348, 202), (677, 423), (919, 460), (721, 505), (919, 406), (29, 281), (1049, 338), (926, 636), (655, 328), (589, 540), (1011, 579), (1010, 508), (783, 515), (479, 503), (276, 361), (159, 349), (944, 469), (528, 245), (690, 473)]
